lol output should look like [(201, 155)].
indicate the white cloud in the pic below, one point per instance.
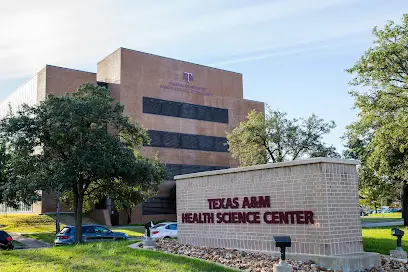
[(282, 51)]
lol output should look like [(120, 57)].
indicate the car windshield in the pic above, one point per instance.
[(158, 226)]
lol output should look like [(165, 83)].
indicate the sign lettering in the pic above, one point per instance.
[(246, 217)]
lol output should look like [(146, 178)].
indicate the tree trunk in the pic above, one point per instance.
[(129, 214), (57, 217), (405, 203), (79, 199)]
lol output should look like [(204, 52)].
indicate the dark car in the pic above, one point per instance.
[(6, 241), (90, 233)]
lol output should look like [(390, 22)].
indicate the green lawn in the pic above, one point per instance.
[(132, 231), (47, 237), (33, 223), (27, 223), (386, 217), (380, 240), (114, 256)]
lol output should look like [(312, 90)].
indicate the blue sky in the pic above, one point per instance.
[(292, 53)]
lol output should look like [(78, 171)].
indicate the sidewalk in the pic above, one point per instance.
[(29, 242), (381, 224)]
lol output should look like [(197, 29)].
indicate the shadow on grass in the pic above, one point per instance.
[(379, 239), (381, 245), (47, 237)]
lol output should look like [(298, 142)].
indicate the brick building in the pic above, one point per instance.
[(187, 109)]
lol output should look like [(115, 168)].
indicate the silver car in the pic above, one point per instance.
[(90, 233)]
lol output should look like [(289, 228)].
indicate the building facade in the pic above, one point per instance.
[(186, 108)]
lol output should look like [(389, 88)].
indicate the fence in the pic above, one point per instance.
[(22, 208)]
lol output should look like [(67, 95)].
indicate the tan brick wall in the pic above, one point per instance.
[(132, 75), (41, 85), (326, 187), (63, 80), (49, 204), (138, 217)]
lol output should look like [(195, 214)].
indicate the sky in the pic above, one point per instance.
[(292, 53)]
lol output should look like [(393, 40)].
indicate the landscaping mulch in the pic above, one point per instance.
[(256, 262)]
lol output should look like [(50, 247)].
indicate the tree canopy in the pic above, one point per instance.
[(382, 101), (79, 143), (275, 138)]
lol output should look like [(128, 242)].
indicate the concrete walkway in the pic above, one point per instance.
[(381, 224), (29, 242)]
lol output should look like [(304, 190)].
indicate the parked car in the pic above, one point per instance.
[(90, 233), (6, 241), (164, 230), (363, 213), (396, 210)]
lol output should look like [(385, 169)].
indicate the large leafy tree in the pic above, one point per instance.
[(79, 143), (275, 138), (374, 189), (382, 101)]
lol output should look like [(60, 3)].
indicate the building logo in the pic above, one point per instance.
[(188, 77)]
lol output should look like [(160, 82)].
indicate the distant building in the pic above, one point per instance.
[(187, 109)]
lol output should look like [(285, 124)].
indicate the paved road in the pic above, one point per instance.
[(381, 224), (29, 242)]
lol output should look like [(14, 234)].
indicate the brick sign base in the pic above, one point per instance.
[(313, 201)]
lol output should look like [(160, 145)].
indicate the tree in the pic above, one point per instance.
[(322, 150), (125, 195), (275, 138), (374, 188), (382, 73), (80, 142)]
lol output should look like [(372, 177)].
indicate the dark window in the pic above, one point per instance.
[(205, 168), (159, 205), (173, 170), (182, 169), (3, 235), (184, 110), (220, 115), (201, 113), (102, 84), (206, 143), (65, 230), (99, 229), (189, 169), (151, 105), (220, 144), (171, 140), (171, 108), (155, 138), (187, 141), (188, 111), (172, 227), (88, 229)]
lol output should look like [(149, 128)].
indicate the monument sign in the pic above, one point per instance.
[(314, 201)]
